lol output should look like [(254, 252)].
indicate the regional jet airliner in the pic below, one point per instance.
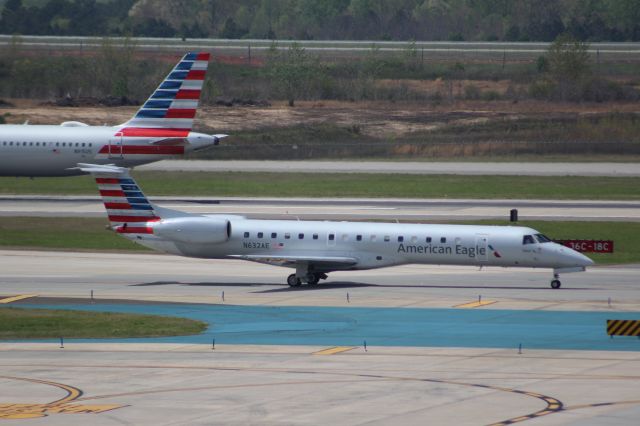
[(160, 129), (314, 248)]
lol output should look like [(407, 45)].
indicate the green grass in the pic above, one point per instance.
[(62, 233), (243, 184), (19, 323), (89, 234)]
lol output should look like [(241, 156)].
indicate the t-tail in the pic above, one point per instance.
[(134, 217), (128, 209)]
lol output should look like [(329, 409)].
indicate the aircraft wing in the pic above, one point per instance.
[(291, 261)]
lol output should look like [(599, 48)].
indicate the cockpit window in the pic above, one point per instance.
[(528, 239), (543, 238)]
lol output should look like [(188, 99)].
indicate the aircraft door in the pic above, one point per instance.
[(116, 150), (482, 245)]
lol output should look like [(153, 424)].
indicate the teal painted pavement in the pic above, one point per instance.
[(338, 326)]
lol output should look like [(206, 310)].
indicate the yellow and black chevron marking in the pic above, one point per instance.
[(60, 406), (623, 328)]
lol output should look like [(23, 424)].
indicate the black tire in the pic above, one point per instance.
[(312, 279), (293, 281), (555, 284)]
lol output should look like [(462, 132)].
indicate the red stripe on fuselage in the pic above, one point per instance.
[(144, 149), (188, 94), (180, 113), (118, 218), (143, 132), (134, 230)]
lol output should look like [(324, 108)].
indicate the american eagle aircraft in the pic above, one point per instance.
[(315, 248), (161, 128)]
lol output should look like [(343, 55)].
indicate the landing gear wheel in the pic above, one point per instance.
[(312, 279), (293, 281), (555, 283)]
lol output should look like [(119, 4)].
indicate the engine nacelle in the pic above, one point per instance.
[(194, 230)]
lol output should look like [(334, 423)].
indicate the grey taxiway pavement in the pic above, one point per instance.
[(340, 209), (400, 167), (172, 383)]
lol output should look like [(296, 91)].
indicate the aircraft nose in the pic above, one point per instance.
[(575, 258)]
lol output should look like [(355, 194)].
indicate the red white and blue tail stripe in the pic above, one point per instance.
[(128, 209), (170, 110)]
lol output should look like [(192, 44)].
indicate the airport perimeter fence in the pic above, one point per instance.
[(385, 149)]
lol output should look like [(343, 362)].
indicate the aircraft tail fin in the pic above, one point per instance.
[(129, 210), (171, 108)]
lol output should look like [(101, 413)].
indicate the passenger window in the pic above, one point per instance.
[(260, 235), (527, 239), (387, 238), (83, 144), (301, 236), (400, 239), (315, 236), (287, 236), (274, 235), (443, 240), (332, 237), (428, 239), (246, 235), (358, 237)]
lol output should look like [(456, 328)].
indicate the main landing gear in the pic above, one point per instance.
[(555, 282), (312, 278)]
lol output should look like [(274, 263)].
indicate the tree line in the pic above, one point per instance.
[(457, 20)]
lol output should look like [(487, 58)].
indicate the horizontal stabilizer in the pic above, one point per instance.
[(102, 169)]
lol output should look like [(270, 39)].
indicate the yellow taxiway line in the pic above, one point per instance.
[(335, 350), (16, 298)]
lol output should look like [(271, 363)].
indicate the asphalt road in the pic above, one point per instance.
[(313, 380), (247, 48), (401, 167), (340, 209)]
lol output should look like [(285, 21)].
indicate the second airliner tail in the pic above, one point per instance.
[(171, 108)]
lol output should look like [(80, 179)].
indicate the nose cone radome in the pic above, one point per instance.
[(573, 258)]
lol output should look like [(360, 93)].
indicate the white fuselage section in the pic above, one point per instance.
[(43, 150), (375, 245)]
